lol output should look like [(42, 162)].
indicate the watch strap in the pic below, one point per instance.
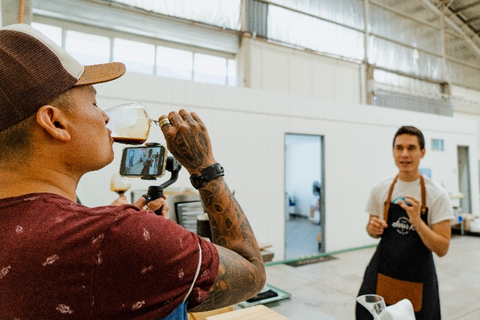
[(209, 173)]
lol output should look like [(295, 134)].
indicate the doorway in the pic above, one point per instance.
[(304, 196), (464, 178)]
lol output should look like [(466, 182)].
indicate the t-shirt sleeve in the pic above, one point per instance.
[(147, 265), (441, 209), (207, 275), (373, 205)]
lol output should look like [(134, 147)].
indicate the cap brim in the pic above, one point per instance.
[(99, 73)]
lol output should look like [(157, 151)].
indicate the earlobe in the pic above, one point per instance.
[(53, 121)]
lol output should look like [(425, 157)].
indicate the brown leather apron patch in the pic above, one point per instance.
[(393, 290)]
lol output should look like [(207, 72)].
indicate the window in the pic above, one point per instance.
[(174, 63), (314, 33), (437, 144), (221, 13), (210, 69), (143, 57), (137, 56), (87, 48), (231, 72)]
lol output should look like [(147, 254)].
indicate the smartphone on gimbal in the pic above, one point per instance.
[(146, 162)]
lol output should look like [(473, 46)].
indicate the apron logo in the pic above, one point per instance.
[(403, 226)]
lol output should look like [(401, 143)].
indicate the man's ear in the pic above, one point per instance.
[(54, 121)]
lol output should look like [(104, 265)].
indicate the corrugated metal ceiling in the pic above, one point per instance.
[(466, 14), (468, 11)]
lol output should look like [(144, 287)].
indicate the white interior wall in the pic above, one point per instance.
[(466, 105), (247, 129), (276, 68)]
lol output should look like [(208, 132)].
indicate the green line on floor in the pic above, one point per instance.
[(313, 256)]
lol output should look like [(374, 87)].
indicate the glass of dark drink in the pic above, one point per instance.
[(119, 184), (129, 123)]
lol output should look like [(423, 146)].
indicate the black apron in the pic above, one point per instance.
[(402, 266)]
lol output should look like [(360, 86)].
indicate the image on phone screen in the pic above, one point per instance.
[(143, 161)]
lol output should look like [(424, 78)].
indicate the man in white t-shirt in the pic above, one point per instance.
[(411, 214)]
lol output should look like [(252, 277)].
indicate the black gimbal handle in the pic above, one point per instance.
[(156, 192)]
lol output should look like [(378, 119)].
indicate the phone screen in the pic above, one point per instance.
[(143, 161)]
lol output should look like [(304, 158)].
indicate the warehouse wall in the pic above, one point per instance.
[(466, 105), (276, 68)]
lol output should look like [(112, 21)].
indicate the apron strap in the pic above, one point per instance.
[(390, 192), (389, 199), (424, 195)]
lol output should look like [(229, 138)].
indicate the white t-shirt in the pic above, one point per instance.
[(438, 201)]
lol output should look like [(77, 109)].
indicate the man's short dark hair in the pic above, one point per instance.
[(16, 140), (413, 132)]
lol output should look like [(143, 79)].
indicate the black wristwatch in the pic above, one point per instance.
[(209, 173)]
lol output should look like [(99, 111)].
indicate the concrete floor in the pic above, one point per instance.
[(327, 290)]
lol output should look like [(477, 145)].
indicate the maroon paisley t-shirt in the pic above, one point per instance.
[(62, 260)]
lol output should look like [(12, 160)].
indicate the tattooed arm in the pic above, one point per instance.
[(241, 273)]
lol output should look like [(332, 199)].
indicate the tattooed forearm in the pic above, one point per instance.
[(241, 267), (241, 273), (224, 212)]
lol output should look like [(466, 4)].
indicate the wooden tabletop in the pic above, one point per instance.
[(259, 312)]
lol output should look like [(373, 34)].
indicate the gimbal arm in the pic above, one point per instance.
[(156, 192)]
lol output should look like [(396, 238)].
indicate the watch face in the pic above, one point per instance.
[(196, 180), (219, 169)]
